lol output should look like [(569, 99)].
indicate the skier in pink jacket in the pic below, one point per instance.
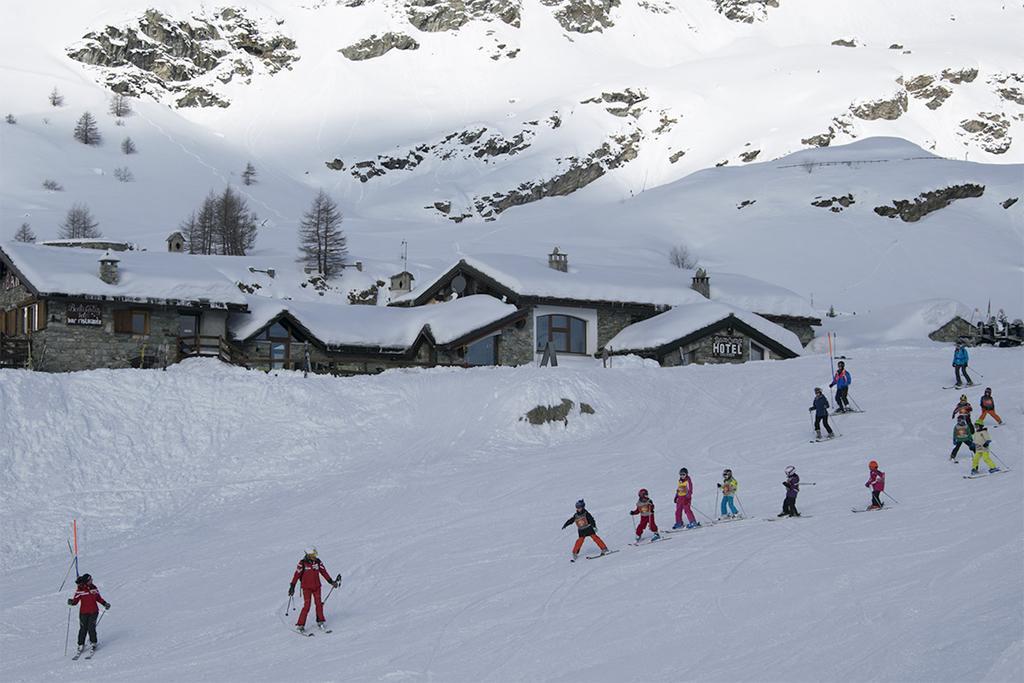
[(875, 482)]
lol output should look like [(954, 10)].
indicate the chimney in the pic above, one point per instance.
[(702, 283), (108, 269), (558, 261), (401, 283)]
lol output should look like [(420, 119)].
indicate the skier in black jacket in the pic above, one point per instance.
[(820, 409), (586, 526)]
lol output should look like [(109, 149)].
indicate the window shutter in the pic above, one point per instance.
[(123, 322), (41, 316)]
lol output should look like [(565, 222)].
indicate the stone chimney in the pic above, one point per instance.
[(558, 261), (701, 283), (108, 269), (401, 283)]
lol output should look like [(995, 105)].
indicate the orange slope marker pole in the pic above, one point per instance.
[(74, 533)]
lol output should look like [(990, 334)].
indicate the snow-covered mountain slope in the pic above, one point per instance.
[(197, 488)]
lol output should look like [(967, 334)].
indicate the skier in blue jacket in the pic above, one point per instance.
[(960, 360), (842, 382), (820, 409)]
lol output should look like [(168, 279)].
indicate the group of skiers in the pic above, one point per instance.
[(974, 435), (841, 380)]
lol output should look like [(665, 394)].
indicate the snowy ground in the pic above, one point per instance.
[(196, 489)]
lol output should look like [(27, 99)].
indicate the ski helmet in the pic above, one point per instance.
[(683, 471), (311, 551), (841, 364), (790, 470), (83, 579), (642, 493), (979, 424), (873, 465), (817, 390), (580, 504), (988, 390), (963, 397), (726, 473)]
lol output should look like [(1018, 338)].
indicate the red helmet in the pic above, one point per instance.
[(643, 493), (873, 465)]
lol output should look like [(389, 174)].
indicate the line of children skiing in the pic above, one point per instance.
[(975, 435)]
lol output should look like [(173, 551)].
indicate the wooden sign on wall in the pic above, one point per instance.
[(85, 314)]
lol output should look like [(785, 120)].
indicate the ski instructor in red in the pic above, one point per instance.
[(309, 571)]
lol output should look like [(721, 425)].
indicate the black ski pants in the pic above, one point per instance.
[(789, 506), (818, 420), (842, 402), (87, 624), (956, 448), (962, 368), (875, 498)]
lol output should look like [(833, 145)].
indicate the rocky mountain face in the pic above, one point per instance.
[(184, 58)]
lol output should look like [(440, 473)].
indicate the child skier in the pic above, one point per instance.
[(308, 572), (729, 488), (792, 485), (645, 508), (963, 408), (988, 406), (586, 526), (981, 452), (87, 595), (820, 409), (684, 496), (960, 360), (963, 434), (842, 382), (876, 482)]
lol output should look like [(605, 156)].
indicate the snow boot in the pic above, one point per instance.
[(782, 514), (656, 536), (605, 551), (637, 539), (817, 433), (677, 526), (79, 649), (831, 435), (974, 470), (575, 556), (322, 625), (301, 629), (993, 470)]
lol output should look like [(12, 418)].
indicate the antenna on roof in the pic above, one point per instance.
[(405, 255)]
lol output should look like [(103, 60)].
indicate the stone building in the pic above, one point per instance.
[(706, 332)]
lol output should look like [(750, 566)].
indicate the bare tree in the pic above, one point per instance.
[(79, 224), (124, 174), (128, 146), (120, 106), (322, 244), (56, 99), (52, 185), (680, 256), (25, 234), (86, 130), (236, 227), (249, 174)]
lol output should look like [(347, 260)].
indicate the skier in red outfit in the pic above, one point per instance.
[(309, 570), (87, 595), (645, 508), (876, 482)]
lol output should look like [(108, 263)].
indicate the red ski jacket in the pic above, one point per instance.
[(89, 598), (876, 480), (310, 572)]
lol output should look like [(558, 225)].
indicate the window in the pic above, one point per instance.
[(566, 333), (756, 352), (276, 343), (25, 320), (483, 352), (131, 322)]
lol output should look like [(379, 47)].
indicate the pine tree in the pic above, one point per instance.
[(234, 226), (128, 146), (322, 243), (25, 234), (79, 224), (56, 99), (249, 174), (10, 118), (120, 106), (86, 130)]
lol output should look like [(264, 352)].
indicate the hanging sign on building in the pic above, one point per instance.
[(727, 347), (85, 314)]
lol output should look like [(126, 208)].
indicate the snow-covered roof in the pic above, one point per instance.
[(150, 277), (668, 286), (375, 326), (682, 321)]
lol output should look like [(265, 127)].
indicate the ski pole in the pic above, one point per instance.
[(66, 575), (717, 491), (978, 372), (736, 496), (101, 617), (1001, 462), (289, 609), (67, 633), (890, 497), (857, 405), (337, 580), (702, 514), (808, 483)]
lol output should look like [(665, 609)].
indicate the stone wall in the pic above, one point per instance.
[(611, 321), (803, 330), (516, 344), (11, 298)]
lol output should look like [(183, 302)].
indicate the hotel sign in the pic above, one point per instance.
[(727, 347)]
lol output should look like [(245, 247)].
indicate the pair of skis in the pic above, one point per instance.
[(835, 436), (88, 654), (979, 475)]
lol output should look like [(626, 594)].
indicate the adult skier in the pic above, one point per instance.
[(88, 597), (586, 526), (684, 496), (729, 488), (875, 482), (963, 408), (960, 360), (645, 508), (963, 434), (981, 449), (308, 573), (792, 485), (820, 408), (988, 406), (842, 382)]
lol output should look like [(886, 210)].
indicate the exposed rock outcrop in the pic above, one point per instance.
[(1009, 87), (378, 46), (559, 413), (1007, 203), (747, 157), (583, 16), (923, 87), (843, 42), (157, 54), (989, 130), (745, 11), (890, 108), (623, 101), (834, 204), (434, 16), (959, 75), (912, 210)]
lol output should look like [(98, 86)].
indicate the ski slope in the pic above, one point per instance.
[(196, 489)]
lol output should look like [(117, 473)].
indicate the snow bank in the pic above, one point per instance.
[(909, 323)]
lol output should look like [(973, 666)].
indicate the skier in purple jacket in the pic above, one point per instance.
[(792, 485)]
